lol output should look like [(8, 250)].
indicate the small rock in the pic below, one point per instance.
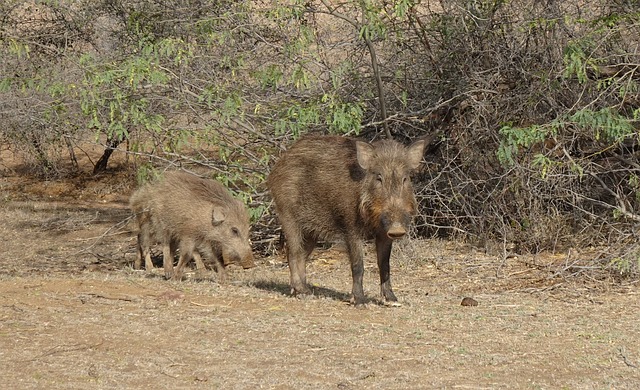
[(466, 301)]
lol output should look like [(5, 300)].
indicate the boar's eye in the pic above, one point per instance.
[(235, 231)]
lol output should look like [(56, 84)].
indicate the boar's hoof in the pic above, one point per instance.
[(388, 294), (359, 301), (201, 274), (301, 291)]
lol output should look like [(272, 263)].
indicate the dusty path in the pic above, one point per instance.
[(126, 331), (74, 315)]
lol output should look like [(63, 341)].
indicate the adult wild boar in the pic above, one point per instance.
[(330, 186), (198, 216)]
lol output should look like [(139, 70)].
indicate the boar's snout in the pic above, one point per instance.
[(396, 231), (247, 262), (395, 224), (233, 257)]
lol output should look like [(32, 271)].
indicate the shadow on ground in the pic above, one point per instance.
[(321, 292)]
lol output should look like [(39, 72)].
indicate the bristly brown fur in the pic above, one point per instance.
[(178, 210), (337, 187)]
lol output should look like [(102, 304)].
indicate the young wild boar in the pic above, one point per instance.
[(330, 186), (196, 215), (151, 231)]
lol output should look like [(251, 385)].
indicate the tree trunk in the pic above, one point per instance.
[(112, 144)]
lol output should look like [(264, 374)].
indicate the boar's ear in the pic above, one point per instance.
[(364, 153), (415, 152), (217, 216)]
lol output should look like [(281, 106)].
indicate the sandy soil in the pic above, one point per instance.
[(75, 315)]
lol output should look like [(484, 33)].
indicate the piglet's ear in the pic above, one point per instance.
[(364, 153), (414, 153), (217, 216)]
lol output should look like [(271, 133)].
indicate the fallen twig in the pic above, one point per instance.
[(625, 359), (95, 295), (61, 349), (203, 305), (105, 234)]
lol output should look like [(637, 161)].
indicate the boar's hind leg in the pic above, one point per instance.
[(144, 248), (354, 246), (144, 252), (299, 247), (168, 250), (383, 249)]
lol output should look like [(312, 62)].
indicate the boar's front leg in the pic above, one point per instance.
[(383, 252), (220, 270), (201, 269), (167, 257), (215, 256)]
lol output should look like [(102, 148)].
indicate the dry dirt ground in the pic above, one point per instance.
[(75, 315)]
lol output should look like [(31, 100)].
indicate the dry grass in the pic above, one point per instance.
[(75, 315)]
